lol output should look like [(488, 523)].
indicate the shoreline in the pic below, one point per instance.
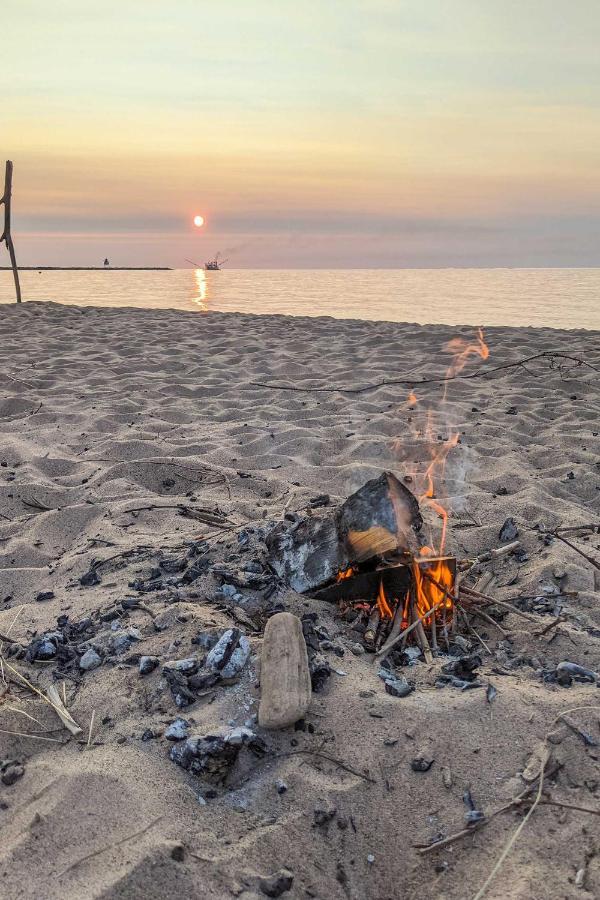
[(89, 269)]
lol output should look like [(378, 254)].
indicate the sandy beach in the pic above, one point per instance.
[(112, 422)]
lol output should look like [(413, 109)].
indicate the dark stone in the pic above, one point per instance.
[(148, 664), (90, 578), (44, 595), (421, 763), (11, 772), (180, 689), (178, 853), (324, 812), (276, 884), (509, 531)]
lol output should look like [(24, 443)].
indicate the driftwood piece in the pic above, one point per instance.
[(382, 516), (6, 235), (285, 688)]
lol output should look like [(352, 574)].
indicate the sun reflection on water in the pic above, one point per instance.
[(201, 293)]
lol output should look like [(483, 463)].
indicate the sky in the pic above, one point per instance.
[(346, 133)]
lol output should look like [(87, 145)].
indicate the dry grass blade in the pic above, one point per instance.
[(89, 740), (128, 837), (34, 737)]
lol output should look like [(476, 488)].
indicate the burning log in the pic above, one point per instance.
[(382, 516)]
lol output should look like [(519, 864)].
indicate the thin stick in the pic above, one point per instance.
[(471, 592), (551, 354), (36, 737), (332, 759), (128, 837), (89, 740), (482, 615), (590, 559), (389, 645), (6, 236)]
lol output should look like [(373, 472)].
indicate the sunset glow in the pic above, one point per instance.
[(198, 221), (393, 134)]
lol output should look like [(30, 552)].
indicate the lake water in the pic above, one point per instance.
[(560, 298)]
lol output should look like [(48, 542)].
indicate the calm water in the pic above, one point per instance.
[(561, 298)]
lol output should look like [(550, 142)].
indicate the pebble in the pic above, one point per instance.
[(177, 730), (44, 595), (281, 786), (421, 763), (324, 812), (370, 859), (11, 772), (276, 884), (148, 664), (90, 660), (357, 649)]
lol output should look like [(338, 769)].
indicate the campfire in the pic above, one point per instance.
[(368, 558)]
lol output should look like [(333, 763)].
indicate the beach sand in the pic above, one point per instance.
[(106, 410)]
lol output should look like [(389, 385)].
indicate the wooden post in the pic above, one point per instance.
[(6, 236)]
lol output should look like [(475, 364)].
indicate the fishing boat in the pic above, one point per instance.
[(213, 265)]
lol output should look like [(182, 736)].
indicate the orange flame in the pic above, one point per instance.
[(385, 610), (428, 594), (347, 573)]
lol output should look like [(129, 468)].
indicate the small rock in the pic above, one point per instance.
[(178, 853), (509, 531), (89, 579), (370, 859), (90, 660), (11, 772), (281, 786), (148, 664), (148, 735), (357, 649), (421, 763), (44, 595), (177, 730), (324, 812), (276, 884)]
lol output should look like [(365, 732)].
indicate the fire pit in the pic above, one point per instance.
[(368, 557)]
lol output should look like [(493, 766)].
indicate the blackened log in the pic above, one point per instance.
[(308, 553), (396, 582), (382, 515)]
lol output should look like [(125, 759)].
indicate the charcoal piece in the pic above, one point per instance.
[(230, 654), (147, 664), (320, 500), (199, 567), (90, 578), (308, 553), (212, 755), (203, 680), (207, 639), (460, 683), (320, 671), (43, 648), (180, 689), (188, 666), (44, 595), (173, 565), (177, 730), (421, 763), (398, 686), (463, 667), (509, 531)]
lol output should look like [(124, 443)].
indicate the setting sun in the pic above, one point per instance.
[(198, 221)]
